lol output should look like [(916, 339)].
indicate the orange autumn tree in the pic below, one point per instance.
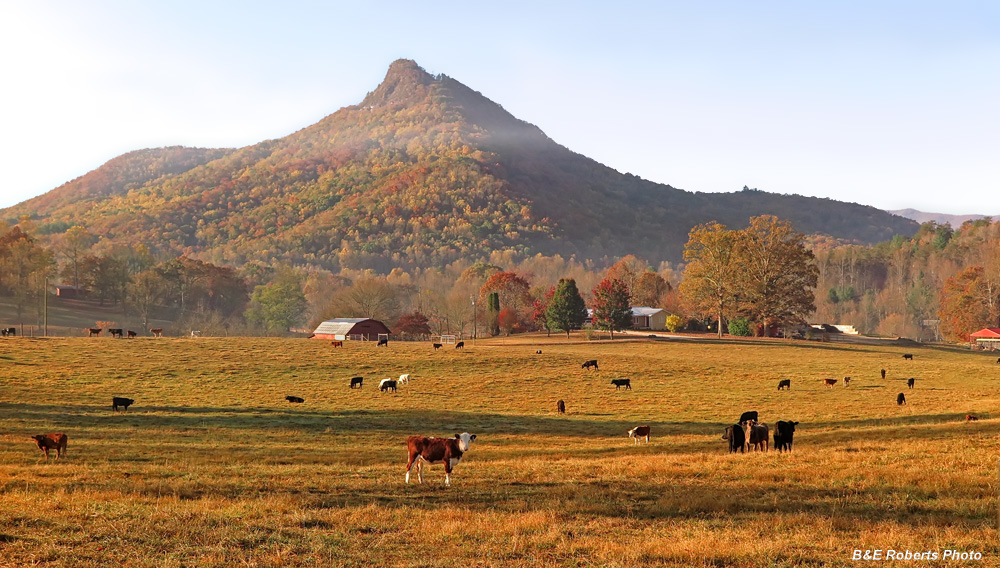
[(969, 301), (514, 293)]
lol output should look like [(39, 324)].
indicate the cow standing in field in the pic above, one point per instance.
[(757, 435), (561, 407), (589, 364), (386, 385), (736, 437), (448, 451), (131, 334), (619, 383), (404, 379), (847, 381), (830, 382), (383, 342), (337, 343), (156, 331), (883, 373), (436, 346), (639, 432), (123, 402), (900, 399), (358, 381), (748, 416), (784, 431), (57, 442), (116, 332), (295, 399), (785, 384), (94, 331), (908, 356), (910, 382), (460, 345)]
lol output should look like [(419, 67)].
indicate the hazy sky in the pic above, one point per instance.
[(891, 104)]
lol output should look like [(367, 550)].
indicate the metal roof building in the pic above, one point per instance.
[(356, 329)]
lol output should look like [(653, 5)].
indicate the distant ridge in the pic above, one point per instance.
[(424, 172), (939, 218)]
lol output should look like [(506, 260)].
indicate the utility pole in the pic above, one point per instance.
[(45, 307), (473, 320)]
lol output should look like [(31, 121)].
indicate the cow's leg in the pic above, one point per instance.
[(447, 471), (409, 465), (647, 438)]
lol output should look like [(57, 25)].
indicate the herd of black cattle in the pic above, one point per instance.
[(748, 433)]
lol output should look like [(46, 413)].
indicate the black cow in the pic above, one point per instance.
[(119, 333), (561, 407), (736, 437), (359, 381), (386, 385), (998, 360), (748, 415), (589, 364), (131, 334), (8, 331), (783, 433), (847, 381), (900, 399), (121, 401), (909, 382), (295, 399), (383, 341), (436, 346), (785, 383), (619, 383), (460, 345), (908, 356), (883, 373)]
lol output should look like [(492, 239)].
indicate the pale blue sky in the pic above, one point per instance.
[(891, 104)]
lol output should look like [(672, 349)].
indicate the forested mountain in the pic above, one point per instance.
[(423, 172), (940, 218)]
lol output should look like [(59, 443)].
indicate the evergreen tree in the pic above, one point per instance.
[(567, 310)]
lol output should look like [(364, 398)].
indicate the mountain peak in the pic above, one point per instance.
[(404, 82)]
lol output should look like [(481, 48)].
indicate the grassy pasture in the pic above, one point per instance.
[(211, 467)]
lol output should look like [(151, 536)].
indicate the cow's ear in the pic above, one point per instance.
[(472, 438), (458, 436)]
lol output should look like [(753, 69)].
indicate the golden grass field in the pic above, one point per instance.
[(212, 467)]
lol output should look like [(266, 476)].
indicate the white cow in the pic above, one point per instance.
[(404, 379)]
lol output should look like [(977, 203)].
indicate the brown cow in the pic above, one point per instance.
[(561, 407), (94, 331), (639, 432), (55, 442), (337, 343), (156, 331), (448, 451), (829, 382), (756, 435), (847, 381)]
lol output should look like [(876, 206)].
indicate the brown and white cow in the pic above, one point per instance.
[(639, 432), (829, 382), (448, 451)]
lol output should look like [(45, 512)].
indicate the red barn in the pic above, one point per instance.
[(988, 338), (350, 328)]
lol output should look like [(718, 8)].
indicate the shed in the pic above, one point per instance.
[(986, 338), (356, 329)]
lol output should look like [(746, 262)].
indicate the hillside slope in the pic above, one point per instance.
[(423, 172)]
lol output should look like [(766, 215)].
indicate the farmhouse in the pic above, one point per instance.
[(356, 329), (987, 338), (642, 318)]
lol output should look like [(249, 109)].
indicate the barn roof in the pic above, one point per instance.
[(986, 333), (338, 326)]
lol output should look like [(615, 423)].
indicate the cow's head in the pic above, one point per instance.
[(464, 439)]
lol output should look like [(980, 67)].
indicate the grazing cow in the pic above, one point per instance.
[(460, 345), (123, 402), (748, 416), (783, 433), (900, 399), (436, 346), (908, 356), (539, 352), (156, 331), (561, 407), (829, 382), (736, 437), (117, 332), (909, 382), (404, 379), (639, 432), (9, 331), (970, 417), (55, 442), (195, 333), (847, 381), (756, 435), (619, 383), (883, 373), (436, 450), (785, 384), (589, 364), (359, 381), (295, 399), (998, 359), (337, 343), (131, 334), (384, 341), (386, 385), (94, 331)]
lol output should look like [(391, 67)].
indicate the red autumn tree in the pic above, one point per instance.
[(612, 308)]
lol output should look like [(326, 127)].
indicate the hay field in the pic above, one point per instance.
[(211, 467)]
